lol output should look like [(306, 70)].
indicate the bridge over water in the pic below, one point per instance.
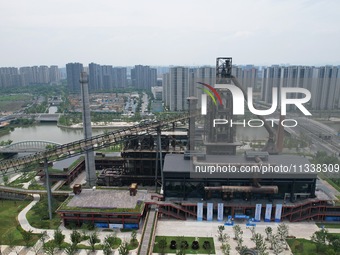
[(95, 142), (28, 146)]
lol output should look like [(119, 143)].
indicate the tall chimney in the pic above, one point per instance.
[(89, 153)]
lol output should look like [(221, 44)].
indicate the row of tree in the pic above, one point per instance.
[(110, 242), (276, 240)]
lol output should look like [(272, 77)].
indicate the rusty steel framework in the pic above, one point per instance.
[(95, 142), (220, 139)]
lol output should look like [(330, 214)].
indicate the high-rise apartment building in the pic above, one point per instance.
[(54, 74), (43, 75), (248, 75), (176, 88), (95, 77), (106, 78), (323, 83), (10, 77), (271, 78), (73, 71), (182, 82), (325, 94), (143, 77), (119, 77)]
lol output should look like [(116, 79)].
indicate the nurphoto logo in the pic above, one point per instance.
[(239, 98)]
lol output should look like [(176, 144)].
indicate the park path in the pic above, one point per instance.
[(22, 219)]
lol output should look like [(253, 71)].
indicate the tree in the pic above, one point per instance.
[(225, 247), (123, 248), (223, 238), (239, 242), (162, 244), (276, 245), (237, 231), (253, 232), (71, 249), (133, 237), (43, 237), (320, 238), (107, 249), (75, 237), (27, 236), (269, 232), (111, 239), (58, 237), (336, 244), (220, 234), (50, 249), (93, 240), (282, 231), (260, 244)]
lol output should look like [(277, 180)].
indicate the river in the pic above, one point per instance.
[(51, 132)]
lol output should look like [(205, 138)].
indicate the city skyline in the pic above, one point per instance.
[(189, 33)]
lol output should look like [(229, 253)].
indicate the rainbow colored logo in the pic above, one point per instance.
[(212, 95)]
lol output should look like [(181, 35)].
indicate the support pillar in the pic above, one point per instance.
[(160, 157), (48, 187)]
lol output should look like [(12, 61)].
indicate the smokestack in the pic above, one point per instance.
[(89, 153), (192, 101)]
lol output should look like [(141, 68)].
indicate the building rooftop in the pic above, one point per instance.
[(65, 163), (277, 166), (106, 199)]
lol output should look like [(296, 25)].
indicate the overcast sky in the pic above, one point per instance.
[(173, 32)]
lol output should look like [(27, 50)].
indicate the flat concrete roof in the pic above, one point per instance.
[(296, 166), (100, 198), (64, 163)]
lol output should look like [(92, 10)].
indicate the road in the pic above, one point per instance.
[(323, 138)]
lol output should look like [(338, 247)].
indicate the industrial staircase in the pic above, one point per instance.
[(173, 210)]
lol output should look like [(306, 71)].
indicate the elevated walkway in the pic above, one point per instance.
[(95, 142), (148, 235)]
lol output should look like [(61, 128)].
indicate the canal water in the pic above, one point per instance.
[(51, 132)]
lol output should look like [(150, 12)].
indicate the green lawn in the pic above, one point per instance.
[(328, 225), (14, 102), (301, 246), (189, 250), (38, 215), (9, 231), (25, 177)]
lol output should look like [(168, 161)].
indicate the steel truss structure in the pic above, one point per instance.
[(95, 142)]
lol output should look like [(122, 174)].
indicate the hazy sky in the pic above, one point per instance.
[(172, 32)]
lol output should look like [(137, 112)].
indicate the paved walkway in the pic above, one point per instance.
[(209, 229), (148, 233), (126, 236), (169, 228)]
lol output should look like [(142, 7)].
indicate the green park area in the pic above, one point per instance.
[(14, 102), (321, 243), (10, 232)]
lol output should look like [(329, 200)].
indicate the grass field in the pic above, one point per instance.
[(302, 246), (9, 231), (14, 102), (37, 219), (328, 225), (189, 250)]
